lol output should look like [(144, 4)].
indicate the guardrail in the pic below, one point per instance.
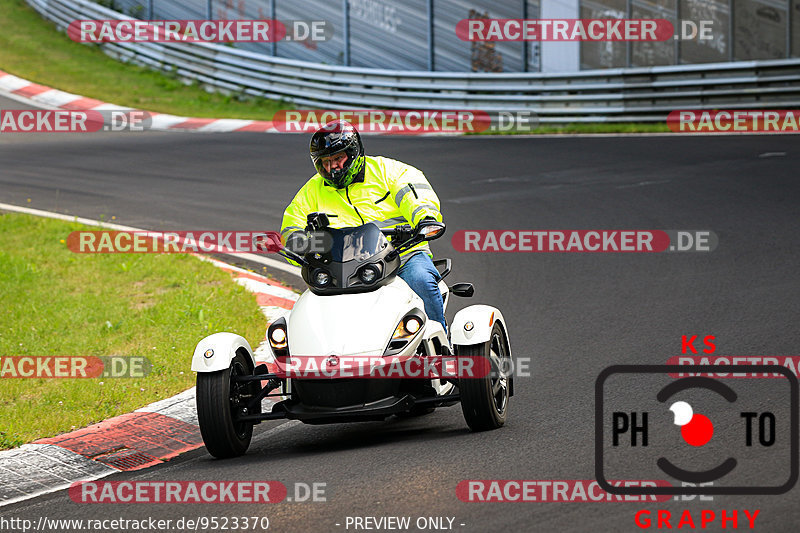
[(612, 95)]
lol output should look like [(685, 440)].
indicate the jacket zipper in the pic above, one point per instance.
[(346, 193)]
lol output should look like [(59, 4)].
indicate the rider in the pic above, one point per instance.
[(357, 189)]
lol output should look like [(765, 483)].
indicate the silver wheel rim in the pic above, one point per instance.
[(236, 400), (499, 374)]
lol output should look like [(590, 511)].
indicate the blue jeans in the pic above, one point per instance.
[(423, 278)]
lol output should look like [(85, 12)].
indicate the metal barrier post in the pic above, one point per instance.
[(628, 43), (273, 46), (678, 29), (788, 29), (149, 10), (430, 35), (525, 44), (730, 30), (346, 31), (209, 10)]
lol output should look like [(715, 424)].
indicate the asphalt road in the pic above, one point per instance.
[(572, 314)]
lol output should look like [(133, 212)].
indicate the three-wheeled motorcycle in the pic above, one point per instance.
[(357, 346)]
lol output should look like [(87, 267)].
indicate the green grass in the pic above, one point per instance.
[(31, 48), (593, 127), (622, 127), (56, 302)]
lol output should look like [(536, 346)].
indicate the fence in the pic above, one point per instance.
[(609, 95)]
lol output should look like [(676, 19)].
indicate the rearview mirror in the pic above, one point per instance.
[(432, 230), (465, 290)]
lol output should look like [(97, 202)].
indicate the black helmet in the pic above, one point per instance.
[(333, 138)]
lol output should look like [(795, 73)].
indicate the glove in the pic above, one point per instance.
[(424, 222), (433, 233)]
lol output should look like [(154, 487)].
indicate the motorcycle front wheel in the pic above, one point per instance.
[(219, 400), (484, 400)]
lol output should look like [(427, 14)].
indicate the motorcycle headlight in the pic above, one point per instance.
[(408, 327), (321, 278), (368, 274), (412, 324), (277, 338)]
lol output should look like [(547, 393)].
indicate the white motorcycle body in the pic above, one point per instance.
[(357, 325), (356, 308)]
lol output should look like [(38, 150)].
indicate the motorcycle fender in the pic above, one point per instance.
[(216, 352), (481, 318)]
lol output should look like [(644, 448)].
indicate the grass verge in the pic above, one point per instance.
[(31, 48), (621, 127), (56, 302)]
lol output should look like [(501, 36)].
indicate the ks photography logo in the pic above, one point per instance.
[(741, 436)]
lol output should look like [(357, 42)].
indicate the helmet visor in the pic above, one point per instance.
[(337, 176)]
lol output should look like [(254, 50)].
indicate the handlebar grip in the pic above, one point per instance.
[(403, 229)]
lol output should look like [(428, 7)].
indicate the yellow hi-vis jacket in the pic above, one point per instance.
[(391, 194)]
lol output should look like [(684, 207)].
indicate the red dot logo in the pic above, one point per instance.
[(696, 429)]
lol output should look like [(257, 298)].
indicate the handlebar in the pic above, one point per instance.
[(403, 236), (391, 232)]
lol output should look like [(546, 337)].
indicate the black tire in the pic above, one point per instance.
[(218, 398), (484, 400)]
